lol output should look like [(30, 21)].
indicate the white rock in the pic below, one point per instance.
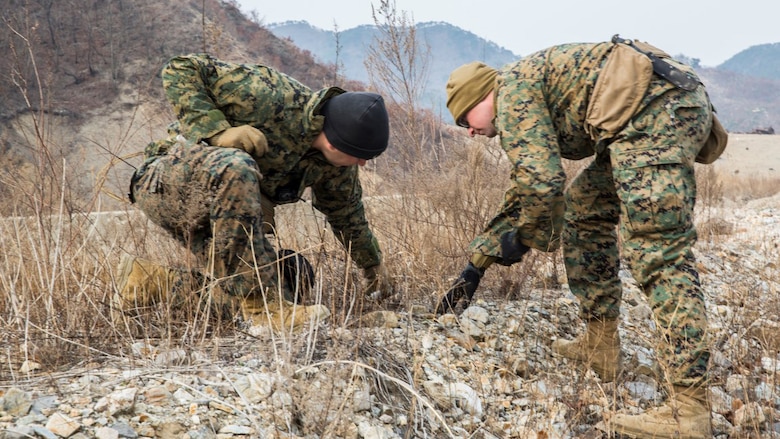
[(476, 313), (427, 342), (472, 328), (121, 401), (641, 390), (361, 398), (236, 430), (720, 401), (255, 387), (735, 383), (368, 431), (282, 399), (62, 425), (448, 395), (29, 366), (182, 396), (106, 433)]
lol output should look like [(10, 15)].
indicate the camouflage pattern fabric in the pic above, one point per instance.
[(540, 113), (208, 198), (642, 180), (209, 96)]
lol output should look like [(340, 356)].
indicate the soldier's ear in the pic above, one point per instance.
[(322, 143), (329, 146), (319, 142)]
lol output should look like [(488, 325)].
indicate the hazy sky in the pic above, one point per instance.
[(710, 30)]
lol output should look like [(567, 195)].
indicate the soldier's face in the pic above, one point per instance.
[(479, 120)]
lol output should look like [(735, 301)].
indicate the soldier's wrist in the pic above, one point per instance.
[(482, 262)]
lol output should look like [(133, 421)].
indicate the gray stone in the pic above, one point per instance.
[(16, 402)]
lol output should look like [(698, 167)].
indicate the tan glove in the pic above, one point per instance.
[(378, 283), (245, 137)]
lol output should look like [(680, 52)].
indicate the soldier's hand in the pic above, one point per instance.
[(512, 250), (245, 137), (462, 290), (379, 285)]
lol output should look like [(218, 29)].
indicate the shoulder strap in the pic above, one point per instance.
[(662, 68)]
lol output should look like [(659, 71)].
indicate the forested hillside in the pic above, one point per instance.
[(79, 81)]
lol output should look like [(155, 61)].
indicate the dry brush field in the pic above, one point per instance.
[(377, 370)]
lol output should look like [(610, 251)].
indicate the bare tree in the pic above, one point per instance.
[(397, 65), (338, 67)]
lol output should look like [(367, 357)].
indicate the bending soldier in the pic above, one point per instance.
[(645, 119), (247, 139)]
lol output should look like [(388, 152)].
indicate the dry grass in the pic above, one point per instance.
[(58, 276), (58, 264)]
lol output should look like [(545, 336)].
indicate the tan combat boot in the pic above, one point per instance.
[(281, 316), (598, 348), (685, 415), (140, 283)]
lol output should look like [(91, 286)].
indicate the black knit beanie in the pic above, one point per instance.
[(356, 123)]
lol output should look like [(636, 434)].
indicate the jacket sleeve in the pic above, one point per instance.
[(339, 197), (535, 201), (187, 81)]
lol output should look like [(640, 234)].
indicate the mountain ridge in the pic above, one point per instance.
[(745, 89), (353, 45)]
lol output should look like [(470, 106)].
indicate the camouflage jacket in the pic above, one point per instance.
[(541, 104), (209, 95)]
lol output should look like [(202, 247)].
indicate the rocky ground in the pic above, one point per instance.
[(404, 372)]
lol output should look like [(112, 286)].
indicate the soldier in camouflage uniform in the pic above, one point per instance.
[(644, 130), (247, 139)]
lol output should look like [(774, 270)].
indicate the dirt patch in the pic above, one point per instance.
[(751, 154)]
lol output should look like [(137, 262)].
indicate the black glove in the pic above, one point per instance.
[(297, 273), (512, 250), (462, 290)]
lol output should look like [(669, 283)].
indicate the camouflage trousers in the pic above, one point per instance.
[(640, 191), (209, 199)]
